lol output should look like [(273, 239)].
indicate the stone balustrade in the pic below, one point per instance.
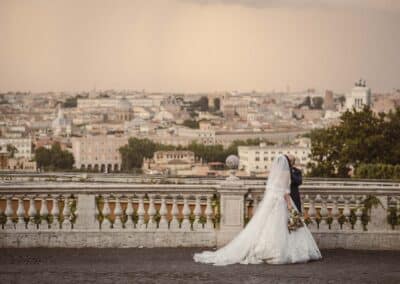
[(340, 213)]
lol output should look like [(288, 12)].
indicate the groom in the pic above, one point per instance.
[(296, 181)]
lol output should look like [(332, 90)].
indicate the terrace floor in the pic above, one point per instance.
[(175, 265)]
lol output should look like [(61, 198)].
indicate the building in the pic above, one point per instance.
[(98, 153), (206, 137), (61, 125), (359, 97), (258, 159), (329, 102), (170, 162), (123, 110), (23, 146), (21, 164)]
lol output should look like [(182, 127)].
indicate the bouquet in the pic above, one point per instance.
[(294, 221)]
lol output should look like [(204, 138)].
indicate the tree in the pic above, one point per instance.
[(217, 103), (361, 137), (191, 123), (12, 150), (203, 103), (133, 153), (54, 159), (70, 102), (43, 157), (317, 102), (306, 102)]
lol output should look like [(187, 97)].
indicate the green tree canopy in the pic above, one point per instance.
[(133, 153), (361, 137), (54, 158)]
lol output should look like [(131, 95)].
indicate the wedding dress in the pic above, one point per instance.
[(266, 237)]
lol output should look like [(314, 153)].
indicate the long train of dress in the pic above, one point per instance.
[(266, 239)]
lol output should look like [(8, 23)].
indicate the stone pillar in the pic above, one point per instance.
[(86, 212), (379, 216), (232, 192)]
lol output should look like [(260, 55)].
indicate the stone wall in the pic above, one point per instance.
[(93, 214)]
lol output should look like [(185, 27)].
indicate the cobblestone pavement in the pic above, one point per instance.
[(175, 265)]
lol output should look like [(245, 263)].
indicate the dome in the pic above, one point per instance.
[(123, 105), (60, 120)]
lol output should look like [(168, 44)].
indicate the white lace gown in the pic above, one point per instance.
[(266, 237)]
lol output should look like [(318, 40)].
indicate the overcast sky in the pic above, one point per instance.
[(198, 45)]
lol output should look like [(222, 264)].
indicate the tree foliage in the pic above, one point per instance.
[(133, 153), (191, 123), (317, 102), (70, 102), (54, 158), (12, 150), (361, 137), (377, 171)]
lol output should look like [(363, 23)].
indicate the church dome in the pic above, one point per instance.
[(60, 120), (123, 105)]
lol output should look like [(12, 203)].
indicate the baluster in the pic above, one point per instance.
[(106, 224), (117, 213), (66, 224), (346, 214), (323, 225), (318, 204), (141, 224), (32, 212), (129, 214), (335, 214), (186, 213), (174, 212), (312, 215), (9, 212), (55, 212), (151, 212), (21, 225), (163, 213), (358, 225), (209, 214), (44, 213), (197, 214)]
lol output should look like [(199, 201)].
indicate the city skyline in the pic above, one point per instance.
[(198, 46)]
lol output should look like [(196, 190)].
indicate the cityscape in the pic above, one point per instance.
[(199, 141), (93, 126)]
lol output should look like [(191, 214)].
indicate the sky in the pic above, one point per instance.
[(198, 45)]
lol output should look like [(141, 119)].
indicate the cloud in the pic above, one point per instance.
[(380, 5)]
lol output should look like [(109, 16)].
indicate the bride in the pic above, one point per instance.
[(266, 237)]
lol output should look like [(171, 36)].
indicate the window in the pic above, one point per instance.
[(257, 159), (265, 158)]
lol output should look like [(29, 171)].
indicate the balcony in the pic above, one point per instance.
[(101, 211)]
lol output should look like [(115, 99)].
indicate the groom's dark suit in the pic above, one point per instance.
[(296, 181)]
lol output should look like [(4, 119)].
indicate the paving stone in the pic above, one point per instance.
[(175, 265)]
